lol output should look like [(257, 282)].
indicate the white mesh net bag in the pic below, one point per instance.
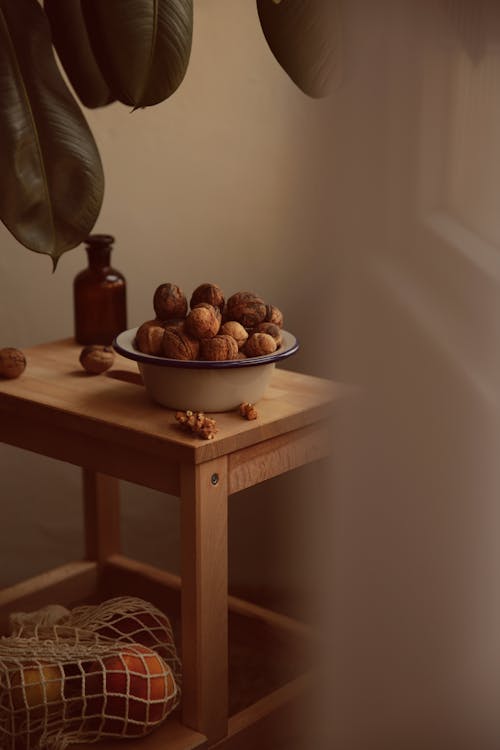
[(131, 620), (68, 685), (125, 619)]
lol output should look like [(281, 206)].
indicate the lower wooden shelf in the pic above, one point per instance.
[(269, 653), (171, 735)]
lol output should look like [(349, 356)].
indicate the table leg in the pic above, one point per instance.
[(101, 513), (204, 574)]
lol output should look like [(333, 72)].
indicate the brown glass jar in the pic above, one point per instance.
[(99, 293)]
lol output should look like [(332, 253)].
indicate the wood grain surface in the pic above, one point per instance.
[(108, 425), (101, 514), (204, 592), (114, 408), (171, 735)]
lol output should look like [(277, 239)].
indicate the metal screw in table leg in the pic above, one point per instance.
[(214, 479)]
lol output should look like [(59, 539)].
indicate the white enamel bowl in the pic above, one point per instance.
[(202, 385)]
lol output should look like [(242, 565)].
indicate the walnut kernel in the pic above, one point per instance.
[(248, 411), (12, 362), (96, 358), (198, 423)]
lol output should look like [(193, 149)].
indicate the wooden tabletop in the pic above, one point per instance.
[(115, 407)]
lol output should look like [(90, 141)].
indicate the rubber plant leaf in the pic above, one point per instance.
[(303, 36), (142, 46), (70, 38), (50, 171)]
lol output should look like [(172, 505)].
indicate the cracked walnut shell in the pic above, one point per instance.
[(218, 348)]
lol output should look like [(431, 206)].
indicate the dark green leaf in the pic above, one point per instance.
[(303, 37), (142, 46), (50, 171), (70, 38)]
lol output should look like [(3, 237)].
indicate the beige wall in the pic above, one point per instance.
[(228, 186), (208, 186)]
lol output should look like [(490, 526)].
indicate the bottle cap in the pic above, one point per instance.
[(99, 239)]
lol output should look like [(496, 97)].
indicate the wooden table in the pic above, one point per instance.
[(107, 425)]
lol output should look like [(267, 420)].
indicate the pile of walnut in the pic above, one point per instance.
[(209, 328)]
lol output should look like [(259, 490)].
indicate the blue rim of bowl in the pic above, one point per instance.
[(124, 345)]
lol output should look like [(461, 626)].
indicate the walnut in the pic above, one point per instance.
[(178, 345), (248, 411), (12, 363), (169, 301), (210, 293), (246, 308), (177, 323), (96, 358), (272, 329), (236, 330), (198, 423), (220, 347), (203, 321), (259, 344), (274, 315), (149, 337)]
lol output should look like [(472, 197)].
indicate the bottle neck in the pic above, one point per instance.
[(98, 256), (98, 247)]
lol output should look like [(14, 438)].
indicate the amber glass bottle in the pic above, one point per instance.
[(99, 293)]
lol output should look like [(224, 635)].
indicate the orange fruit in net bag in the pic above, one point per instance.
[(134, 690), (36, 685)]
